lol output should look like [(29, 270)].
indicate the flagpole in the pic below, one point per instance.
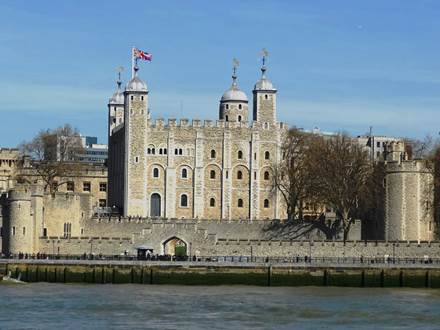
[(132, 62)]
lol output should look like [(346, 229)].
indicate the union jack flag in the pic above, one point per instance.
[(137, 53)]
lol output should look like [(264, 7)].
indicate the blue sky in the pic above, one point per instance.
[(338, 65)]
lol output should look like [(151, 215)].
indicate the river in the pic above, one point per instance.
[(65, 306)]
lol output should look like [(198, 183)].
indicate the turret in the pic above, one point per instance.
[(234, 102), (116, 106), (264, 98), (395, 151)]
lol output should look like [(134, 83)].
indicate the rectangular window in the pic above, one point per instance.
[(378, 144), (44, 232), (102, 186), (70, 186), (102, 203), (86, 186), (1, 231), (13, 231), (24, 231)]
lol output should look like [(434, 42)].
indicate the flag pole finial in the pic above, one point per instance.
[(235, 64), (119, 70), (264, 55)]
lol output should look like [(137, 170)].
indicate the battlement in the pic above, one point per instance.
[(161, 124), (19, 193), (419, 166)]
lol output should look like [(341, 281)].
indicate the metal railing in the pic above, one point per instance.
[(304, 260)]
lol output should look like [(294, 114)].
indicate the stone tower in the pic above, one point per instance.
[(234, 102), (264, 99), (409, 195), (19, 223), (136, 118)]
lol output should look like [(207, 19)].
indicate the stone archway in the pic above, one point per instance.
[(175, 246), (155, 205)]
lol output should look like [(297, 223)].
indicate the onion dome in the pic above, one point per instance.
[(136, 84), (234, 93)]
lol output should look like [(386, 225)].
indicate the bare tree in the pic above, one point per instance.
[(342, 168), (292, 175), (53, 155)]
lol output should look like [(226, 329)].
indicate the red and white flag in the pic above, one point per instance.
[(137, 53)]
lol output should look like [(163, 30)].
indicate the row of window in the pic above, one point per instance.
[(179, 151), (87, 186), (240, 154), (212, 174), (212, 202), (239, 106)]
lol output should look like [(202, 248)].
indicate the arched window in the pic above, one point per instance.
[(153, 151), (176, 151), (148, 151), (266, 203), (226, 118), (265, 96), (184, 200), (212, 202), (267, 155), (227, 106), (155, 172), (240, 202), (212, 153), (160, 151), (239, 118), (239, 106), (180, 151), (212, 174), (240, 154), (239, 175), (184, 173), (266, 175)]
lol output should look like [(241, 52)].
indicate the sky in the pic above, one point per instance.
[(339, 65)]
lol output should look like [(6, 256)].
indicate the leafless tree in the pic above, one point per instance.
[(342, 169), (53, 156), (292, 175)]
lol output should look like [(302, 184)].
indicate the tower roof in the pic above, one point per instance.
[(264, 84), (136, 84), (234, 93), (118, 96)]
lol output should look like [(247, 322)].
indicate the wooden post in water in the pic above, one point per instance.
[(269, 275), (428, 279)]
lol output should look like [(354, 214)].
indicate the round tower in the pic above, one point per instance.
[(19, 227), (409, 197), (234, 102), (116, 106)]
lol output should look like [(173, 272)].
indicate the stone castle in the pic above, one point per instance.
[(195, 170), (201, 185)]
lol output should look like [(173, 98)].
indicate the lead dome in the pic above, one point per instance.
[(136, 84)]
